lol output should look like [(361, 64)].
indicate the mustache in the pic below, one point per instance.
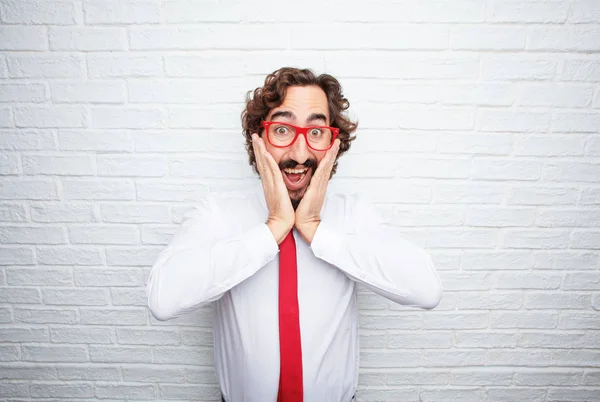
[(290, 164)]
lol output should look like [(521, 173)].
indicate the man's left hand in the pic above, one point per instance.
[(308, 213)]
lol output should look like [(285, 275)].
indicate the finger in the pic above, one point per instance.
[(258, 155)]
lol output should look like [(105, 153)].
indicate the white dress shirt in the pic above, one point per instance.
[(224, 253)]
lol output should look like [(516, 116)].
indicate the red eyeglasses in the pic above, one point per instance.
[(282, 135)]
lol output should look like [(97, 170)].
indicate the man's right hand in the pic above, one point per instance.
[(281, 213)]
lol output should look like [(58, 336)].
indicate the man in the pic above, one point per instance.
[(280, 264)]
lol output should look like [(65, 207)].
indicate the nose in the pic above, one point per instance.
[(299, 150)]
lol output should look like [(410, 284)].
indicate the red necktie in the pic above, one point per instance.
[(290, 348)]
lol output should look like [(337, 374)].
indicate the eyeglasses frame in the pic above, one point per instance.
[(299, 130)]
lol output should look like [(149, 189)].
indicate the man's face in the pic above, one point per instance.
[(302, 106)]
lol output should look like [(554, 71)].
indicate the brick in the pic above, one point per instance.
[(463, 321), (98, 189), (389, 91), (555, 95), (14, 390), (23, 334), (32, 189), (571, 171), (113, 316), (545, 377), (111, 354), (500, 217), (454, 281), (575, 358), (40, 12), (223, 90), (27, 372), (186, 141), (497, 120), (575, 122), (5, 316), (593, 146), (180, 355), (417, 117), (514, 394), (124, 65), (113, 234), (573, 394), (154, 374), (186, 11), (58, 165), (138, 256), (201, 375), (23, 38), (55, 354), (591, 378), (6, 117), (426, 167), (578, 320), (489, 301), (390, 65), (486, 339), (199, 337), (69, 256), (59, 390), (319, 36), (378, 321), (45, 65), (45, 316), (12, 213), (204, 392), (462, 193), (50, 116), (217, 64), (10, 165), (75, 297), (529, 195), (129, 297), (481, 376), (26, 140), (39, 276), (525, 280), (89, 92), (555, 300), (88, 373), (571, 260), (22, 93), (510, 67), (139, 166), (586, 240), (112, 391), (88, 335), (201, 37), (550, 11), (3, 67), (461, 238), (157, 235), (581, 70), (87, 38), (62, 212), (584, 11), (427, 216), (495, 260), (129, 117), (519, 357), (136, 213), (481, 37), (568, 218), (16, 256), (484, 94), (590, 196), (115, 12), (102, 277), (170, 191), (95, 140), (571, 38), (209, 117), (437, 358), (434, 340), (149, 337), (530, 320), (485, 144), (535, 239), (13, 295)]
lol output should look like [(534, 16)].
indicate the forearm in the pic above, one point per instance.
[(384, 262)]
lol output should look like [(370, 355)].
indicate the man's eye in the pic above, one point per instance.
[(315, 132), (281, 130)]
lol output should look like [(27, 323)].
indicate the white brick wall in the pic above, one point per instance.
[(479, 138)]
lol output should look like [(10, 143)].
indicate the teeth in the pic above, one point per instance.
[(295, 171)]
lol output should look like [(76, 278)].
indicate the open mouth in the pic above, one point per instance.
[(295, 178)]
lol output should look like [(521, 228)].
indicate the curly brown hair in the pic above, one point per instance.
[(263, 99)]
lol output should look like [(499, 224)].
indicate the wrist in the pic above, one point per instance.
[(308, 230), (279, 229)]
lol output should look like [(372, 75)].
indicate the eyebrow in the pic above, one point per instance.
[(313, 117)]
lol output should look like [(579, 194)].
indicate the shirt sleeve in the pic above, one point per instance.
[(371, 252), (200, 264)]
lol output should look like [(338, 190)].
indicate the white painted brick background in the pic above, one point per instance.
[(479, 138)]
